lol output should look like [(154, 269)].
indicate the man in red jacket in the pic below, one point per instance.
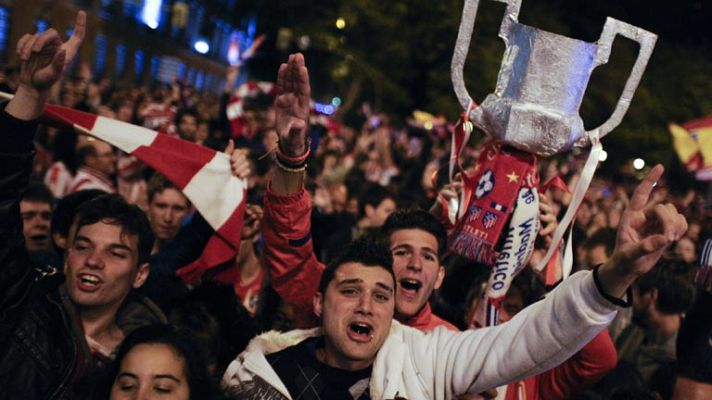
[(417, 239)]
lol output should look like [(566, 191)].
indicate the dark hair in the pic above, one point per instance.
[(369, 251), (157, 184), (66, 210), (417, 219), (673, 279), (38, 192), (181, 342), (602, 237), (529, 286), (113, 209), (204, 328), (84, 152), (187, 111), (64, 145), (372, 195)]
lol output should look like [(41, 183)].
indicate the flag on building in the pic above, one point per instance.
[(693, 144)]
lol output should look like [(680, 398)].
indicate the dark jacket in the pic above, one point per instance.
[(43, 353)]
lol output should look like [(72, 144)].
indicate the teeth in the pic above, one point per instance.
[(90, 279), (361, 328), (410, 284)]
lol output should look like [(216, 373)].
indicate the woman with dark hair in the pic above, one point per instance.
[(158, 361)]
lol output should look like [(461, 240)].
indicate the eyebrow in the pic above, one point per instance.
[(384, 286), (166, 376), (158, 376), (128, 374), (409, 247), (119, 246), (359, 280)]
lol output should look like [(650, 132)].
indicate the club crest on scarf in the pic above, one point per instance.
[(499, 176)]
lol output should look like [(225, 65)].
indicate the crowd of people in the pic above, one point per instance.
[(345, 287)]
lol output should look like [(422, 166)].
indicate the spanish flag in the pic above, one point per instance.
[(693, 144)]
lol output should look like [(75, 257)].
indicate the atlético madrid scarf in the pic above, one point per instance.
[(202, 174), (493, 190)]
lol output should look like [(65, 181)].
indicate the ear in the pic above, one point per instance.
[(59, 240), (439, 279), (368, 210), (141, 275), (318, 303), (654, 297)]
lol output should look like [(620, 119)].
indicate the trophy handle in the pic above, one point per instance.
[(462, 46), (646, 40)]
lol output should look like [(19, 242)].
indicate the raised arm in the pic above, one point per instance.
[(289, 253), (550, 331), (43, 58)]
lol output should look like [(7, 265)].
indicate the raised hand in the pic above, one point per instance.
[(239, 162), (43, 59), (547, 218), (292, 106), (252, 223), (645, 232)]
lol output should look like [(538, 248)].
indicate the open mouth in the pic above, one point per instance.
[(410, 285), (88, 281), (361, 331), (39, 238)]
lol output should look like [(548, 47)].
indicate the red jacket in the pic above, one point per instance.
[(576, 374), (294, 270)]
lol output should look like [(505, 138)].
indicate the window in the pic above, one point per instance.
[(155, 65), (4, 26), (41, 25), (138, 65), (199, 80), (99, 54), (120, 60)]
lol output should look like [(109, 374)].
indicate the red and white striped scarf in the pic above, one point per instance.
[(202, 174)]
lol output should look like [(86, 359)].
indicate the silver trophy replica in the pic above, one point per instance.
[(542, 81), (533, 112)]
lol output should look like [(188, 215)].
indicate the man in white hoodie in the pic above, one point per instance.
[(359, 351)]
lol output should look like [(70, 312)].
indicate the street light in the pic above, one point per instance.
[(340, 23), (202, 47), (638, 164)]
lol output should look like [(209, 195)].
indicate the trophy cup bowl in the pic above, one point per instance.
[(542, 80)]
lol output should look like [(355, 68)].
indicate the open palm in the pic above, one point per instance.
[(292, 105)]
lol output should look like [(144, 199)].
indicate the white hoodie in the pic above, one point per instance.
[(442, 364)]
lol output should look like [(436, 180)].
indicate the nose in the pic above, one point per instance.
[(415, 262), (364, 304), (94, 259)]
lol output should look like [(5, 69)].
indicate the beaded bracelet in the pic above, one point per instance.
[(292, 169)]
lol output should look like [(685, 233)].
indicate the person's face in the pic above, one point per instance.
[(202, 132), (685, 249), (187, 126), (105, 160), (101, 267), (125, 113), (151, 371), (417, 269), (583, 215), (377, 216), (36, 217), (642, 304), (596, 255), (166, 212), (270, 139), (356, 311), (513, 303)]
